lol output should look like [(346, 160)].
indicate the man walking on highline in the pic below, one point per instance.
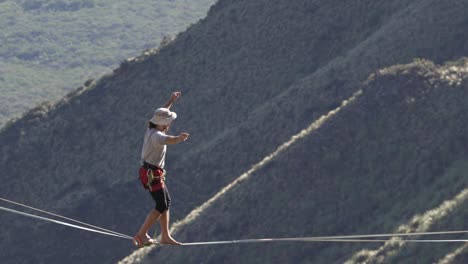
[(152, 172)]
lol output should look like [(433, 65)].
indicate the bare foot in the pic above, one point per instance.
[(169, 241), (138, 241), (149, 238)]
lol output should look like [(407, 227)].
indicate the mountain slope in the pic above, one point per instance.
[(247, 87), (401, 153)]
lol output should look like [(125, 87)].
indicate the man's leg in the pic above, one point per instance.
[(166, 238), (151, 219)]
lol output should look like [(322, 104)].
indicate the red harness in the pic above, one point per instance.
[(153, 180)]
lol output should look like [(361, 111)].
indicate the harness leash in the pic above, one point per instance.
[(152, 178)]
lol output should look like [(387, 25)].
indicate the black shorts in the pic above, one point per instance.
[(162, 199)]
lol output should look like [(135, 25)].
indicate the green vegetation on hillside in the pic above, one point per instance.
[(50, 47)]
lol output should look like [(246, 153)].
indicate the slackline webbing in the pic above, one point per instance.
[(63, 223), (63, 217), (396, 237), (351, 238), (312, 239)]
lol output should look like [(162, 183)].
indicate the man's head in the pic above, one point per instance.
[(163, 117)]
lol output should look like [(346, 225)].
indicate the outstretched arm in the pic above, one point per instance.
[(177, 139), (172, 99)]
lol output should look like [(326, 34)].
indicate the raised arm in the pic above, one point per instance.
[(172, 99)]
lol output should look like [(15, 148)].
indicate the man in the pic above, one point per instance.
[(152, 173)]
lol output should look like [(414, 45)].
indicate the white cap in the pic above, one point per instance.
[(162, 116)]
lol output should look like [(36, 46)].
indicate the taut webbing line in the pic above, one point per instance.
[(265, 240), (348, 238), (351, 238), (63, 223), (63, 217)]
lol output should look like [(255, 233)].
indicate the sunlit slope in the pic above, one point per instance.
[(50, 47), (393, 160)]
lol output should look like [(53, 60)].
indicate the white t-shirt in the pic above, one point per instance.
[(154, 147)]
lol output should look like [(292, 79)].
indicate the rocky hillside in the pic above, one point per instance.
[(252, 74)]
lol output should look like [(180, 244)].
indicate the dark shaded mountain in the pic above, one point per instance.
[(393, 159), (252, 74)]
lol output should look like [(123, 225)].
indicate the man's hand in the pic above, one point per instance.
[(175, 96), (183, 136), (172, 99)]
